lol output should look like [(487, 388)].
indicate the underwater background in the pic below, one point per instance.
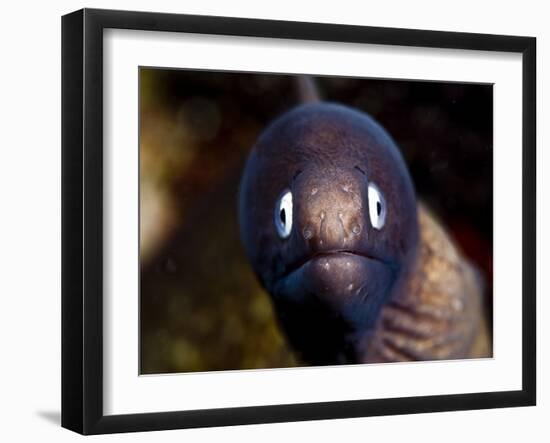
[(201, 307)]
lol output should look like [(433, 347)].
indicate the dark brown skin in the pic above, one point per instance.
[(346, 263)]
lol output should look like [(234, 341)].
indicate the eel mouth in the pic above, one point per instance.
[(329, 256), (337, 278)]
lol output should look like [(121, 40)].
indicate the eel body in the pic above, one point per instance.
[(358, 270), (440, 314)]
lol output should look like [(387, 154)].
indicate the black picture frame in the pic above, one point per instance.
[(82, 220)]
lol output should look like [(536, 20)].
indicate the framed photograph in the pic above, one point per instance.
[(268, 221)]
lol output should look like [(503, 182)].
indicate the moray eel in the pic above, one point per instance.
[(357, 269)]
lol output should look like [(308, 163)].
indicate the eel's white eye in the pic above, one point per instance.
[(377, 207), (283, 214)]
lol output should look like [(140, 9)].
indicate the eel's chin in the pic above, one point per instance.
[(349, 284)]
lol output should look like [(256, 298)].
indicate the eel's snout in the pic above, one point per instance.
[(331, 211)]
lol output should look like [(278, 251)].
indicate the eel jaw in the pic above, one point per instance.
[(352, 285), (330, 302)]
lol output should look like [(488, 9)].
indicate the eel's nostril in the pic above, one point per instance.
[(307, 233), (356, 229)]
